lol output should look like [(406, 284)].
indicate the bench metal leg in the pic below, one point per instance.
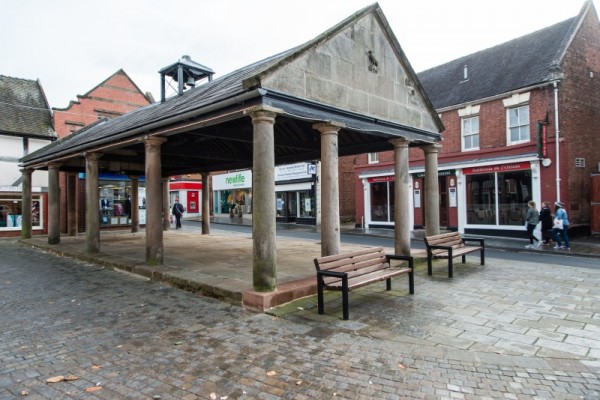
[(411, 282), (429, 269), (388, 284), (464, 258), (482, 251), (320, 304), (450, 272), (345, 298)]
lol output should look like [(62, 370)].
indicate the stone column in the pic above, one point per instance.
[(205, 203), (263, 199), (330, 188), (165, 205), (432, 193), (26, 204), (402, 212), (92, 203), (71, 204), (53, 204), (135, 209), (154, 201)]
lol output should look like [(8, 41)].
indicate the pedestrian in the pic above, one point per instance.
[(561, 226), (546, 220), (532, 218), (178, 213)]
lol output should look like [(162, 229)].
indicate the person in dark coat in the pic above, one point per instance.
[(546, 220), (178, 213)]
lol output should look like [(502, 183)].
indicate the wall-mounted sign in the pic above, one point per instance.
[(452, 193), (417, 198), (497, 168)]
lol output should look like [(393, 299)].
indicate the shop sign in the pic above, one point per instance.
[(10, 189), (446, 172), (542, 136), (487, 169), (235, 180), (294, 171), (387, 178)]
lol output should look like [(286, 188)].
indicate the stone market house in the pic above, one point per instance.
[(348, 91), (503, 109), (25, 126)]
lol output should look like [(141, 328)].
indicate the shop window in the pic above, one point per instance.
[(498, 198), (382, 201), (470, 133), (115, 203), (11, 212), (518, 124)]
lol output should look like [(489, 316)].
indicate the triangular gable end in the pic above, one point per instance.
[(358, 66)]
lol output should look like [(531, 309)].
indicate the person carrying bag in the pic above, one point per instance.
[(561, 226)]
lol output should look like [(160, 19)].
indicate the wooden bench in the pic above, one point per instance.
[(347, 271), (450, 245)]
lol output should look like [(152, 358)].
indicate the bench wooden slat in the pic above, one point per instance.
[(360, 281), (356, 269), (459, 248)]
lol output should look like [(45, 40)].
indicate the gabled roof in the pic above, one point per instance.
[(209, 121), (24, 110), (523, 62)]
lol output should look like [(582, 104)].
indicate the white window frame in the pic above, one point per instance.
[(469, 132), (524, 127), (373, 158)]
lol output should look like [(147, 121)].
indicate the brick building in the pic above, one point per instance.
[(503, 109), (115, 96)]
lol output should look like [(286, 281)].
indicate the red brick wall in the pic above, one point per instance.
[(579, 105), (115, 96), (118, 95)]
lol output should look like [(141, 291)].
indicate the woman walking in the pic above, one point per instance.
[(533, 218)]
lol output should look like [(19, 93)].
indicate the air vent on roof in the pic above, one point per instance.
[(465, 73)]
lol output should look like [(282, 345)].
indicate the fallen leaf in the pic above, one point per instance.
[(71, 378), (93, 389), (299, 383), (177, 343), (96, 367), (213, 396), (401, 366), (55, 379), (24, 392), (271, 373), (223, 397), (300, 308)]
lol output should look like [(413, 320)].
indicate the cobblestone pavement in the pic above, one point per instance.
[(453, 339)]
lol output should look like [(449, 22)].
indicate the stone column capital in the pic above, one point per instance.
[(27, 171), (330, 127), (400, 142), (92, 156), (263, 113), (154, 141), (432, 148)]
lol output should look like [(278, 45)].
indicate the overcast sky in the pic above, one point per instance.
[(73, 45)]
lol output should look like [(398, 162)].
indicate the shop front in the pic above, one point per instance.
[(189, 194), (232, 193), (11, 210), (295, 191), (496, 197), (115, 200)]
